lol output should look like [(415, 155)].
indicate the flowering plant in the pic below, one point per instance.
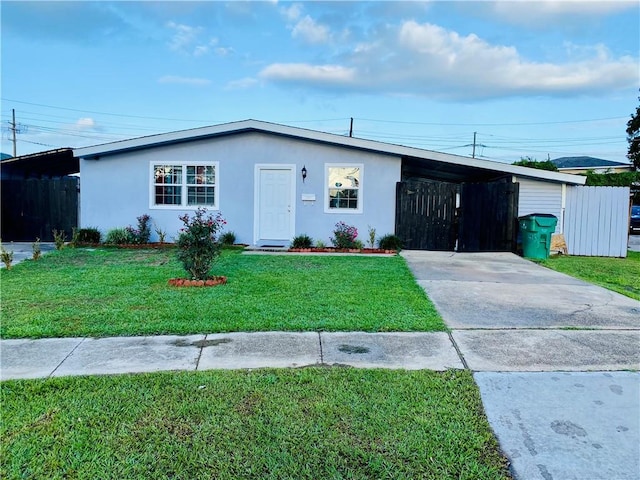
[(198, 245), (141, 234), (344, 236)]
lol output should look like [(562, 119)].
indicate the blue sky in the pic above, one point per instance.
[(538, 79)]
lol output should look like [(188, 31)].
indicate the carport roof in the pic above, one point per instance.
[(445, 166), (50, 163)]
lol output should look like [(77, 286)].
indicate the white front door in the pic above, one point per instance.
[(275, 203)]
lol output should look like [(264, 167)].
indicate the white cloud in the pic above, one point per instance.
[(310, 31), (292, 13), (86, 122), (426, 59), (527, 12), (187, 40), (183, 37), (223, 51), (314, 74), (242, 83), (197, 82)]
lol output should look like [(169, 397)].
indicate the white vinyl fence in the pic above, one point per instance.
[(596, 221)]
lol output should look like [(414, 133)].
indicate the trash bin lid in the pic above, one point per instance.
[(545, 219)]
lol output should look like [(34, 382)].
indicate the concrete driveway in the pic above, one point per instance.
[(24, 250), (553, 357)]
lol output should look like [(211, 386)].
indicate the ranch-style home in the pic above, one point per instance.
[(272, 182)]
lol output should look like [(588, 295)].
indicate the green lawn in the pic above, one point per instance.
[(621, 275), (305, 424), (103, 292)]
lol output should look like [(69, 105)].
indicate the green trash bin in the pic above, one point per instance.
[(536, 230)]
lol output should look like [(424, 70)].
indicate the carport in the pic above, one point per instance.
[(444, 206)]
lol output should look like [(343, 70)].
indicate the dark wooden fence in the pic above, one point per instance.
[(488, 217), (426, 215), (34, 207), (486, 220)]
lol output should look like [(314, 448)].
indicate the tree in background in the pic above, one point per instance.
[(633, 137), (533, 163)]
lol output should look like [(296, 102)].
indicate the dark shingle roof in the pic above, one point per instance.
[(585, 162)]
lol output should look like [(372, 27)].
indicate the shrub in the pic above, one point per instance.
[(141, 234), (358, 244), (36, 251), (320, 244), (344, 236), (302, 241), (74, 237), (118, 236), (372, 236), (59, 237), (198, 246), (162, 235), (228, 238), (6, 256), (88, 235), (390, 242)]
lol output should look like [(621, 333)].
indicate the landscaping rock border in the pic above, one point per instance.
[(185, 282), (341, 250)]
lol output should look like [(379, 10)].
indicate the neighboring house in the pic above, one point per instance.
[(39, 194), (581, 165), (272, 182)]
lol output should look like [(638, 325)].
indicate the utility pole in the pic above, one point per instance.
[(351, 128), (473, 154), (13, 130)]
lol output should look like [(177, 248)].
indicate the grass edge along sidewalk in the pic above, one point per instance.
[(113, 292), (297, 423)]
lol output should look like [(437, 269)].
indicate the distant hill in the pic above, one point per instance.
[(585, 162)]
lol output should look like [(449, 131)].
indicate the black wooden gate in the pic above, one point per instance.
[(486, 220), (33, 207), (426, 215), (488, 216)]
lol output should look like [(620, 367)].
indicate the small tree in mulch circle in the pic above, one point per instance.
[(198, 245)]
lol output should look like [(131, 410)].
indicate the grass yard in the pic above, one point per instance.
[(621, 275), (306, 424), (113, 292)]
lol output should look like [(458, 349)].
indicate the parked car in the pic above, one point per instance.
[(634, 225)]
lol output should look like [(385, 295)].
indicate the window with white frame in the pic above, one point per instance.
[(343, 188), (189, 184)]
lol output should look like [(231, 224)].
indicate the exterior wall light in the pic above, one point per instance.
[(304, 173)]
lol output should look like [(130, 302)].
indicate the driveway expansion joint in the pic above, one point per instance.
[(68, 355), (200, 352), (457, 349), (321, 352)]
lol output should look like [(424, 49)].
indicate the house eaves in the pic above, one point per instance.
[(152, 141)]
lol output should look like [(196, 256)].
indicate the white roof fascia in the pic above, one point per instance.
[(313, 135)]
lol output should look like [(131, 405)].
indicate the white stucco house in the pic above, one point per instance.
[(272, 182)]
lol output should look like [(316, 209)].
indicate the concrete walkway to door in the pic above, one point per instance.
[(553, 357)]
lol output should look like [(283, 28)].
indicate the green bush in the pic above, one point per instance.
[(390, 242), (88, 235), (228, 238), (198, 246), (59, 237), (118, 236), (302, 241)]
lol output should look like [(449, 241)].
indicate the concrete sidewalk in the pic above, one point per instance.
[(89, 356)]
